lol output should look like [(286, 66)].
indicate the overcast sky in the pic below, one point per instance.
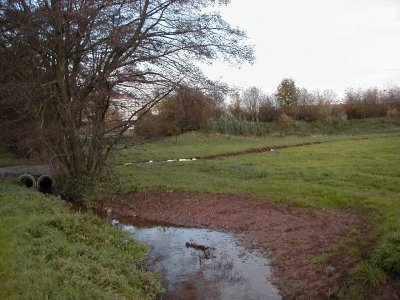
[(321, 44)]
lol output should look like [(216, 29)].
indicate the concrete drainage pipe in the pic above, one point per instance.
[(27, 180), (45, 184)]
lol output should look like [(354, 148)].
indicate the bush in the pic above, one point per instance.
[(366, 103), (392, 113), (149, 127), (268, 113)]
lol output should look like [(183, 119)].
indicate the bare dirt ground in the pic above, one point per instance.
[(292, 236), (257, 150)]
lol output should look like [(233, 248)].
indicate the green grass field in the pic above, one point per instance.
[(358, 173), (49, 252), (198, 144), (347, 173)]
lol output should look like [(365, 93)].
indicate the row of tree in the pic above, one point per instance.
[(189, 108), (298, 103)]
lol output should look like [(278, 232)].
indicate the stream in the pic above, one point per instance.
[(202, 264)]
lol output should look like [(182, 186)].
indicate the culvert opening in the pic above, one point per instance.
[(45, 184), (27, 180)]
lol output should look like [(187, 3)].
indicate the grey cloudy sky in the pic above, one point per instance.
[(321, 44)]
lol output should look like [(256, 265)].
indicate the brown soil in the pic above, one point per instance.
[(291, 235), (256, 150)]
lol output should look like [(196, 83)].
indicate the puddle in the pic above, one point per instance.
[(203, 264)]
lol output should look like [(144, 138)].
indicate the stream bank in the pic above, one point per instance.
[(198, 264), (292, 235)]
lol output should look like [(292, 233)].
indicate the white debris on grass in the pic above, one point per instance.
[(127, 164), (169, 160)]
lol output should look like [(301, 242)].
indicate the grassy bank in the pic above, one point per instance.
[(47, 251)]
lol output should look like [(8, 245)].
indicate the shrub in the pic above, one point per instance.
[(285, 120), (365, 103), (268, 112), (308, 113), (392, 112)]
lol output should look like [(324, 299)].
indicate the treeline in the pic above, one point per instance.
[(253, 112), (300, 104)]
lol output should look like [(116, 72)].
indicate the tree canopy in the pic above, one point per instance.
[(65, 63), (287, 94)]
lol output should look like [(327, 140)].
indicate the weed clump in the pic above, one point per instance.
[(363, 280), (367, 275), (387, 255)]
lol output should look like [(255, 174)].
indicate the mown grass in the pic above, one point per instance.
[(359, 173), (339, 173), (48, 251)]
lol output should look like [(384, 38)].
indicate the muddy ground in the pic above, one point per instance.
[(293, 237)]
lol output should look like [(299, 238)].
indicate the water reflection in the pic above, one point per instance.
[(204, 264)]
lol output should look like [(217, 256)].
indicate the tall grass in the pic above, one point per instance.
[(233, 126), (287, 126), (282, 127)]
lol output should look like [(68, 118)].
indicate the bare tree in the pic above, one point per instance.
[(66, 62), (252, 99), (235, 107)]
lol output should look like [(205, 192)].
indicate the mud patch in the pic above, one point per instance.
[(292, 235), (257, 150)]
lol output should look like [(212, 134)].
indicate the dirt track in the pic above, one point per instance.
[(291, 235), (16, 171), (257, 150)]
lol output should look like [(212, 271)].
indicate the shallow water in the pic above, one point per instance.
[(225, 270)]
